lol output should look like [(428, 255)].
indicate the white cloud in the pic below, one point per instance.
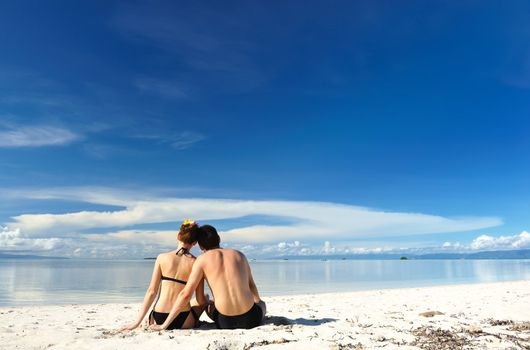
[(141, 243), (452, 246), (297, 248), (311, 220), (314, 227), (120, 244), (485, 242), (327, 248), (153, 237), (13, 240), (35, 136)]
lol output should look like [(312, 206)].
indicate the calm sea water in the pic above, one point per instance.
[(37, 282)]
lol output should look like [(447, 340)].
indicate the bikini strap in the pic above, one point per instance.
[(183, 251)]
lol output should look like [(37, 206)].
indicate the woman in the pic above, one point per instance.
[(169, 277)]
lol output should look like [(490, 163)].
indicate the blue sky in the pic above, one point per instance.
[(395, 126)]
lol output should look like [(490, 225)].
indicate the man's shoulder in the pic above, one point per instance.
[(234, 254), (232, 250), (237, 252), (220, 252), (205, 256)]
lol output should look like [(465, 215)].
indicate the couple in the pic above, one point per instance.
[(178, 274)]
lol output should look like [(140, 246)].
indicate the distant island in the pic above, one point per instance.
[(496, 254)]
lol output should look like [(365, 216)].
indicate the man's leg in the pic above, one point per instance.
[(211, 311)]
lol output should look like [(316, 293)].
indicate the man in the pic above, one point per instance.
[(237, 303)]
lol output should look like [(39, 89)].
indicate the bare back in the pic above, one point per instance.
[(228, 274), (173, 266)]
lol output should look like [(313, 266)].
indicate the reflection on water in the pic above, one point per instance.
[(33, 282), (312, 276)]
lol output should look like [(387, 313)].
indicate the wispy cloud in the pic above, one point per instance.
[(179, 141), (199, 38), (186, 139), (164, 88), (36, 136)]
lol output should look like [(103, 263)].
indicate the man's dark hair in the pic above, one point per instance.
[(208, 237)]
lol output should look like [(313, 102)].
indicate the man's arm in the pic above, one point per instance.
[(254, 291), (199, 293), (184, 296), (251, 284)]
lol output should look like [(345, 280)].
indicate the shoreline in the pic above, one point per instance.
[(492, 315), (316, 294), (140, 298)]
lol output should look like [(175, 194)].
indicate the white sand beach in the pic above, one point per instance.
[(477, 316)]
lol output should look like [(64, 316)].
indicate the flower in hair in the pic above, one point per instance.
[(189, 222)]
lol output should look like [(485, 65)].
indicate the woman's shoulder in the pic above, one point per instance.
[(165, 256)]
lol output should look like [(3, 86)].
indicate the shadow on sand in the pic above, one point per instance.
[(278, 321), (284, 321)]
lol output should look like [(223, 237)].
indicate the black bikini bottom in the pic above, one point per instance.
[(160, 317), (250, 319)]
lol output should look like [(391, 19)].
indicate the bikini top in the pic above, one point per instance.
[(180, 252), (164, 278)]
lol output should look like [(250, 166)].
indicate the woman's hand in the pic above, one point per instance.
[(129, 327)]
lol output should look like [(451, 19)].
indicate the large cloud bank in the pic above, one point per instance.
[(301, 221), (309, 220)]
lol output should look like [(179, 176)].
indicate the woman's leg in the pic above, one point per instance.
[(195, 313)]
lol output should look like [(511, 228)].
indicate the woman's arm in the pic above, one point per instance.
[(149, 296)]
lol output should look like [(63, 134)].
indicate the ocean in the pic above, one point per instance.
[(73, 281)]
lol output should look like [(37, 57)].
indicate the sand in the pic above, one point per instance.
[(477, 316)]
